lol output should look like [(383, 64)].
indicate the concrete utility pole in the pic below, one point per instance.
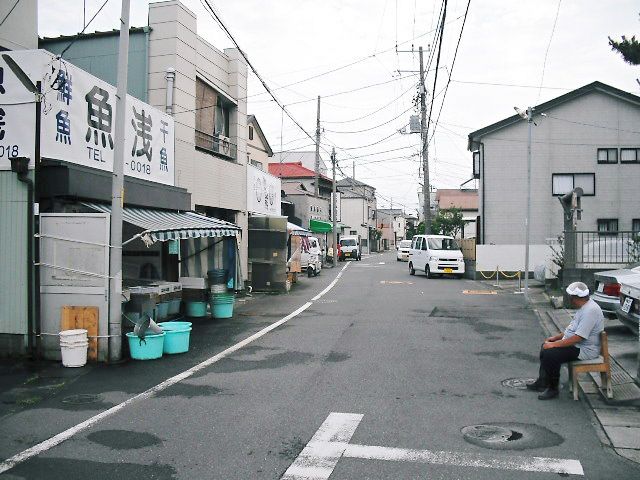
[(424, 136), (334, 211), (117, 193), (528, 220), (317, 186)]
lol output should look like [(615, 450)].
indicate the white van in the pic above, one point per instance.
[(311, 261), (349, 248), (433, 254)]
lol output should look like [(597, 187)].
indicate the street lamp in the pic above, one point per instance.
[(528, 116)]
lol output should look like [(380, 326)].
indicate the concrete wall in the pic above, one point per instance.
[(20, 30), (174, 43), (510, 258), (560, 147)]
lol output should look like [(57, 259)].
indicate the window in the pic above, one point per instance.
[(607, 225), (257, 164), (353, 232), (607, 155), (212, 121), (565, 182), (635, 224), (630, 155), (250, 133)]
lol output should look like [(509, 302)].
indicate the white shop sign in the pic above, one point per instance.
[(78, 115), (263, 192)]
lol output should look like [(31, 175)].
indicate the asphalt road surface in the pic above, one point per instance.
[(382, 376)]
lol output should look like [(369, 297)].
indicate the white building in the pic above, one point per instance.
[(358, 206)]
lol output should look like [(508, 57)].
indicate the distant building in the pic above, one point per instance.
[(392, 222), (358, 207), (259, 151), (306, 159), (466, 200)]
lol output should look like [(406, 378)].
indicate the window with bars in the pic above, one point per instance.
[(607, 226), (630, 155), (607, 155)]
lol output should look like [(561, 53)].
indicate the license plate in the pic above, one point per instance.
[(600, 287), (347, 254), (626, 306), (405, 256), (448, 270)]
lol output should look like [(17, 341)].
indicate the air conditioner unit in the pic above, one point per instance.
[(224, 144)]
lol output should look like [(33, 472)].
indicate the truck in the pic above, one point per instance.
[(311, 261), (350, 248)]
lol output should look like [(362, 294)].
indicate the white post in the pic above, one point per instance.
[(528, 219), (117, 193)]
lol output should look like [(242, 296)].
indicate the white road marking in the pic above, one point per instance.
[(320, 456), (331, 442), (331, 285), (41, 447)]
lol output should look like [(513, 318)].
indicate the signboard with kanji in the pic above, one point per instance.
[(78, 115)]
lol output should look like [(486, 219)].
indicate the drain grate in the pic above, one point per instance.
[(81, 399), (510, 436), (517, 383)]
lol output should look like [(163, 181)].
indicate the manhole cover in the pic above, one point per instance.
[(81, 399), (510, 436), (519, 383)]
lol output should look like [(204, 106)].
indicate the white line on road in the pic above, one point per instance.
[(41, 447), (331, 442)]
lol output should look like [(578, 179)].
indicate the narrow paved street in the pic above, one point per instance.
[(413, 360)]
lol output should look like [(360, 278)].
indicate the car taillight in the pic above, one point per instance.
[(611, 289)]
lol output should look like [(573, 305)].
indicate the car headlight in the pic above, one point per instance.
[(433, 259)]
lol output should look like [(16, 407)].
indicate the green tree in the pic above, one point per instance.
[(628, 48), (449, 221)]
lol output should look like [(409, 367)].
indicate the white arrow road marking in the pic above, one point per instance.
[(331, 442)]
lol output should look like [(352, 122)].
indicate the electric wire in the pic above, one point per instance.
[(371, 128), (7, 15), (83, 29), (544, 63)]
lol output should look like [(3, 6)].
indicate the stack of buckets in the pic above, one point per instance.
[(220, 300), (73, 347), (194, 295)]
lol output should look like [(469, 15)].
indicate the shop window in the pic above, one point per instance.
[(607, 155)]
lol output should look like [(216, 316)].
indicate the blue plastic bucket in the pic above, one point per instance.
[(221, 305), (174, 306), (163, 309), (148, 349), (177, 336), (196, 309)]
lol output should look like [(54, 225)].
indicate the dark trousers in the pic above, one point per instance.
[(552, 359)]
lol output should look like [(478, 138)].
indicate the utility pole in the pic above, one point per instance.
[(317, 186), (424, 136), (528, 220), (117, 193), (334, 211)]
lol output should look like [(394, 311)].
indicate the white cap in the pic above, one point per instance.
[(578, 289)]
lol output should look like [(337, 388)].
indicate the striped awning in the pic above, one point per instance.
[(160, 225), (294, 229)]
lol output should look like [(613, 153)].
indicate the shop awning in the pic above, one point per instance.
[(323, 227), (160, 225), (294, 229)]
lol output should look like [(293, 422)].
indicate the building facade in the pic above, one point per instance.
[(259, 151), (358, 207)]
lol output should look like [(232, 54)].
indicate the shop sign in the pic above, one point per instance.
[(78, 121), (263, 192)]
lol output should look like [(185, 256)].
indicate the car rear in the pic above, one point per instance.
[(403, 250), (628, 310), (607, 288)]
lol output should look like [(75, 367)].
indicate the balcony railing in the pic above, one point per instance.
[(220, 146), (603, 247)]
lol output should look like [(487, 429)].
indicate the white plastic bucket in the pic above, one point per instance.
[(73, 347)]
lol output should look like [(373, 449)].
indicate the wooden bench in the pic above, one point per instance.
[(600, 364)]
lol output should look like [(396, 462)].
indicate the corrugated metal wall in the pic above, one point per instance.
[(13, 254)]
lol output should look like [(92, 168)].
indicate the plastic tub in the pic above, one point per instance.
[(177, 336), (162, 309), (73, 347), (222, 305), (196, 309), (174, 306), (148, 349)]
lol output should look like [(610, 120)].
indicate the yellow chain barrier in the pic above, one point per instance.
[(515, 275), (487, 278)]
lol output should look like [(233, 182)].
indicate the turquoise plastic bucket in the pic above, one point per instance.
[(174, 306), (163, 309), (196, 309), (148, 349), (221, 305), (177, 336)]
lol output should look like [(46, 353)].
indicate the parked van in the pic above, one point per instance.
[(349, 248), (311, 261), (433, 254)]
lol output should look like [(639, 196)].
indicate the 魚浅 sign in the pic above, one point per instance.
[(78, 115), (263, 192)]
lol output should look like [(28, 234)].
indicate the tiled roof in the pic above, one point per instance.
[(292, 170)]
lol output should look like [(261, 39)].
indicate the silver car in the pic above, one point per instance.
[(628, 311), (607, 287)]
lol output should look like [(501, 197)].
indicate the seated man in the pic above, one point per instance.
[(580, 341)]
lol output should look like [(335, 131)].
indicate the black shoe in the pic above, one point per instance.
[(548, 394), (536, 386)]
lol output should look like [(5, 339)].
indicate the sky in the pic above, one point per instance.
[(361, 58)]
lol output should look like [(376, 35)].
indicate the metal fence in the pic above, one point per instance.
[(603, 247), (218, 145)]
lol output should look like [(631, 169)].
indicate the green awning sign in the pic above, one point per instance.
[(320, 226)]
